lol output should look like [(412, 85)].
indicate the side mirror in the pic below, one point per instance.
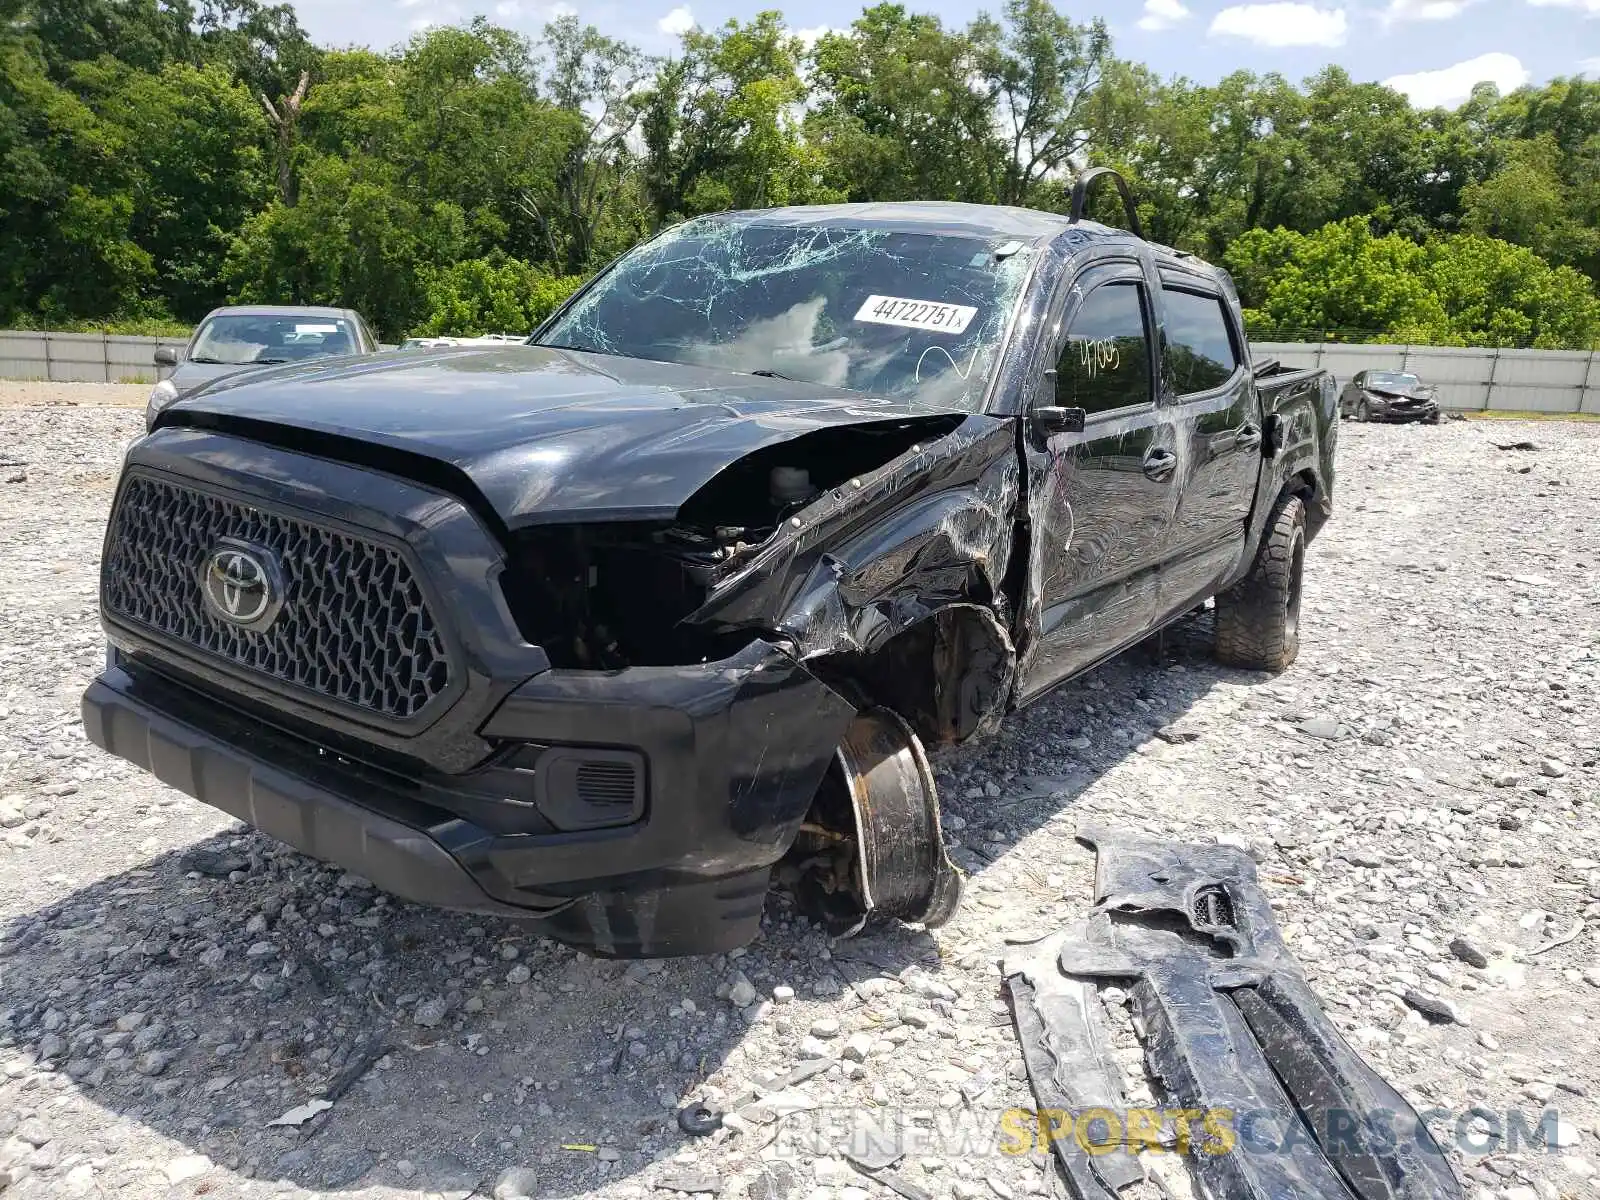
[(166, 356), (1049, 418)]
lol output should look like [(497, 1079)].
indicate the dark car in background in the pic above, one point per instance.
[(237, 338), (1389, 396)]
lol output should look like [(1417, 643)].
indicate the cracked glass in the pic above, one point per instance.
[(913, 316)]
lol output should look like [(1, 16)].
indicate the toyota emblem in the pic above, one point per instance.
[(242, 584)]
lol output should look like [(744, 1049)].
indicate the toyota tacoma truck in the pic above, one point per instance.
[(609, 629)]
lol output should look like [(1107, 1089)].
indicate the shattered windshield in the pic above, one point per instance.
[(909, 315)]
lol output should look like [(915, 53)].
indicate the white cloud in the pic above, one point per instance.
[(1592, 7), (1590, 66), (1449, 87), (809, 36), (1283, 24), (507, 9), (1162, 14), (1424, 10), (677, 22), (437, 14)]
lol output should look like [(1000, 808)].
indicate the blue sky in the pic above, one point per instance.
[(1434, 50)]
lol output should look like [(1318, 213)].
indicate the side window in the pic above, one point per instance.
[(1200, 353), (1105, 362)]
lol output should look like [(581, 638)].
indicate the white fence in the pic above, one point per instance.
[(82, 357), (1469, 380), (1473, 380)]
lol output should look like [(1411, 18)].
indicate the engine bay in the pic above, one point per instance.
[(609, 595)]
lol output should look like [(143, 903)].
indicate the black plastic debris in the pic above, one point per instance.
[(1070, 1070), (1231, 1032)]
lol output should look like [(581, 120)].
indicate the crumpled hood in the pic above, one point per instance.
[(544, 435)]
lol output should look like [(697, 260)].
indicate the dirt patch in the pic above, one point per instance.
[(32, 393)]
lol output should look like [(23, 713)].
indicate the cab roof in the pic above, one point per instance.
[(924, 216), (278, 310)]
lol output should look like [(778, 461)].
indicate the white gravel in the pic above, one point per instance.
[(1425, 777)]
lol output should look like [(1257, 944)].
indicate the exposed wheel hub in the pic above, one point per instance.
[(873, 843)]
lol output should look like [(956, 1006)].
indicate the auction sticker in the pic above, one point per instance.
[(916, 314)]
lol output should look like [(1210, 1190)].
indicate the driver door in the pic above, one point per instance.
[(1100, 502)]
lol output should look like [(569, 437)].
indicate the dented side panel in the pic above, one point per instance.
[(896, 581), (1098, 522)]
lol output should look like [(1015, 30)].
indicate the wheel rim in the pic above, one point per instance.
[(1362, 412), (1297, 566)]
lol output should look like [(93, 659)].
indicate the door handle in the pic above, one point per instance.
[(1159, 464), (1248, 438)]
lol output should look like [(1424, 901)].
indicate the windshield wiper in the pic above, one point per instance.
[(262, 361), (215, 362), (769, 373)]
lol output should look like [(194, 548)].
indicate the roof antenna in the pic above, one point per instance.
[(1080, 197)]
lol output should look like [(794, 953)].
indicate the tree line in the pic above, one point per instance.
[(159, 157)]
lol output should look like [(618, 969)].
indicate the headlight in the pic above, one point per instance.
[(1375, 401), (163, 394)]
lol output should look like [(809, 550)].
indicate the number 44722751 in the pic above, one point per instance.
[(916, 314)]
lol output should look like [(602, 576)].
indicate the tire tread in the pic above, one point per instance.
[(1252, 626)]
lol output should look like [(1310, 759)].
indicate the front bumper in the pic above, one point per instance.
[(1396, 414), (733, 753)]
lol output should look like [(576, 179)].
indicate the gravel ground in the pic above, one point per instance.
[(1420, 788)]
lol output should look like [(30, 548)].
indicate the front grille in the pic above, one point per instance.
[(1212, 908), (354, 626)]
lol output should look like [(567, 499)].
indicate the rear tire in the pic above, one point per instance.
[(1258, 620)]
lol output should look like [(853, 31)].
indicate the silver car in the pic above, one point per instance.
[(239, 337)]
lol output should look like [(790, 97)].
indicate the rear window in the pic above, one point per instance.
[(1200, 353)]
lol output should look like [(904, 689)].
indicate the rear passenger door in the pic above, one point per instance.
[(1100, 501), (1209, 394)]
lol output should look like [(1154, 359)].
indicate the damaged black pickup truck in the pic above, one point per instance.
[(602, 629)]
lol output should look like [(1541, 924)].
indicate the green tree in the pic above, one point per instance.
[(1339, 282), (197, 176), (893, 114), (719, 125), (66, 212), (491, 295), (1528, 202), (1344, 283), (1497, 294), (592, 81), (1040, 71)]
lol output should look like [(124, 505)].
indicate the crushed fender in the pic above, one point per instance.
[(1228, 1024)]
